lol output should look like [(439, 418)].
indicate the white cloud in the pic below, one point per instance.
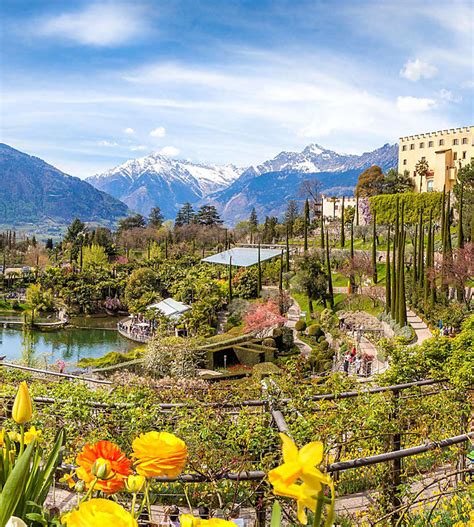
[(96, 25), (138, 148), (110, 144), (128, 131), (449, 96), (415, 70), (169, 151), (158, 132), (415, 104), (468, 84)]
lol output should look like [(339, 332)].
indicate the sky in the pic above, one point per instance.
[(86, 85)]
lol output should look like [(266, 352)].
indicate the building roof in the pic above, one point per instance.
[(242, 256), (170, 307)]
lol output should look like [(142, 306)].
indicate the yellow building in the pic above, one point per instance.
[(445, 152)]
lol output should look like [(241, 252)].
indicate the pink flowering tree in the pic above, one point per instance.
[(263, 316)]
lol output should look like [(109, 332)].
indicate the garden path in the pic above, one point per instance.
[(293, 315), (422, 331)]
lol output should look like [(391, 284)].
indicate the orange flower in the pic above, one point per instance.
[(103, 453), (159, 454)]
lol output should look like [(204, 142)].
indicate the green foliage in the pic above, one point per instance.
[(269, 342), (40, 299), (110, 359), (386, 209), (245, 282), (94, 256), (315, 331), (300, 325), (142, 288)]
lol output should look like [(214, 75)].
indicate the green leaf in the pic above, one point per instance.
[(276, 515), (15, 485)]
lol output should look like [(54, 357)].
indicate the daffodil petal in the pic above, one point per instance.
[(289, 449), (315, 478), (285, 474), (312, 453)]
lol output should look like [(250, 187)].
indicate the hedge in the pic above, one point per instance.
[(385, 206)]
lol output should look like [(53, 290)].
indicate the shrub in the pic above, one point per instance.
[(315, 331), (269, 342), (324, 345), (300, 325), (265, 368)]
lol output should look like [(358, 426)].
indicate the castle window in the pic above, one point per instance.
[(431, 143), (464, 155), (429, 185), (412, 147), (464, 140), (404, 147), (455, 141), (423, 158), (404, 161), (441, 142), (422, 145), (455, 156)]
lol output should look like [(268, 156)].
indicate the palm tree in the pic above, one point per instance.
[(422, 170)]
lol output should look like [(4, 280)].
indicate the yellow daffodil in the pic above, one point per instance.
[(23, 406), (2, 437), (69, 479), (14, 437), (304, 495), (32, 434), (300, 464), (99, 512), (159, 454), (135, 484)]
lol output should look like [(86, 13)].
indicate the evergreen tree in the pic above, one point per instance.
[(351, 276), (185, 216), (388, 294), (393, 307), (135, 221), (343, 236), (374, 249), (328, 265), (460, 212), (208, 215), (230, 279), (49, 244), (322, 231), (287, 251), (306, 222), (290, 216), (357, 209), (259, 278), (253, 220), (280, 278), (156, 218)]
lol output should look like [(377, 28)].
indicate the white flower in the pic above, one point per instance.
[(15, 522)]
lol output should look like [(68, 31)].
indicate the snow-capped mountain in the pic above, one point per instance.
[(269, 186), (156, 180)]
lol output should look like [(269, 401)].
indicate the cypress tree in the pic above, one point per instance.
[(443, 217), (280, 281), (357, 209), (287, 251), (388, 295), (374, 249), (259, 283), (402, 305), (393, 307), (230, 279), (426, 289), (306, 221), (322, 231), (343, 237), (415, 257), (421, 248), (351, 277), (449, 245), (460, 229), (328, 265)]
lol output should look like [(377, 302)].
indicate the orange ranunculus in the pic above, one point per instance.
[(99, 513), (107, 454), (159, 454)]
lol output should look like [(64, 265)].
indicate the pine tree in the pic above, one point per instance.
[(208, 215), (290, 216), (374, 249), (306, 222), (156, 217), (388, 295), (343, 237), (328, 265), (185, 216), (253, 220)]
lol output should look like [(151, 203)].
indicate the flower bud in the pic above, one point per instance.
[(79, 486), (135, 484), (102, 469), (23, 406)]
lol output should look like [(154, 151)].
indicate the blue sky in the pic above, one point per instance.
[(87, 85)]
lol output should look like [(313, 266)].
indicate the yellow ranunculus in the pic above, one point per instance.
[(135, 484), (99, 512), (23, 406), (32, 434), (159, 454), (188, 520)]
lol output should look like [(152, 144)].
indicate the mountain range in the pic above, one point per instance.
[(36, 194), (40, 197), (156, 180)]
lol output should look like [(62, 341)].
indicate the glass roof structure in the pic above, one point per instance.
[(242, 256)]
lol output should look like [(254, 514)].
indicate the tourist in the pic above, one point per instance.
[(358, 364), (346, 363)]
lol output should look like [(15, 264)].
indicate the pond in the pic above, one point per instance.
[(40, 348)]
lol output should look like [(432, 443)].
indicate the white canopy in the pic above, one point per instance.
[(242, 256), (171, 308)]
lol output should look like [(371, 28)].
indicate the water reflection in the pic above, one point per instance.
[(45, 347)]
